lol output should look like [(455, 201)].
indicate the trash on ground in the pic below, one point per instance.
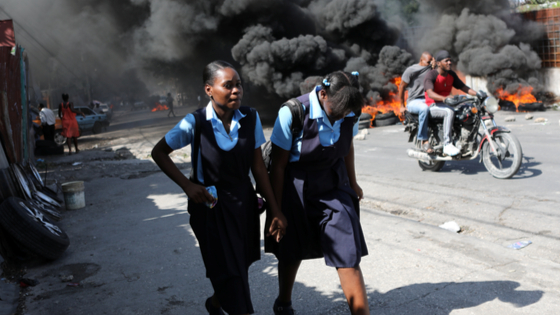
[(451, 226), (66, 278), (520, 245), (76, 163), (541, 120), (510, 119), (528, 117), (25, 282), (73, 284)]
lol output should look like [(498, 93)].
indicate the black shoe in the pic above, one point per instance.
[(212, 310), (285, 309)]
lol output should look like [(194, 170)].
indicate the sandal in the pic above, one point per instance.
[(426, 147), (212, 310), (283, 308)]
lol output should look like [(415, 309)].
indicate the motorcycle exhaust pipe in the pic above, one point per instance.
[(423, 156)]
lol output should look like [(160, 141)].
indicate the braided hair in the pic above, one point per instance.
[(343, 92)]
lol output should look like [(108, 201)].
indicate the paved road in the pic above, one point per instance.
[(133, 251)]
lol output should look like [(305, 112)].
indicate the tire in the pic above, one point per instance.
[(28, 226), (364, 124), (433, 166), (385, 122), (506, 167), (384, 116), (97, 128), (47, 191), (58, 138)]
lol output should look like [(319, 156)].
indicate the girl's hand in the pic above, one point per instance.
[(277, 227), (198, 194), (358, 190)]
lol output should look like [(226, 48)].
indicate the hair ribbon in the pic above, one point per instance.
[(355, 73), (326, 82)]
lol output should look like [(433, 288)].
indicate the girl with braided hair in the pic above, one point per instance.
[(314, 182)]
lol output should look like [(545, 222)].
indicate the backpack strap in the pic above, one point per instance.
[(196, 145), (296, 109)]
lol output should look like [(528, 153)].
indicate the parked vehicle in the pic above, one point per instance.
[(474, 133), (93, 121), (58, 138)]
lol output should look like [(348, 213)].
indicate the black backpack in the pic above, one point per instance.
[(297, 125)]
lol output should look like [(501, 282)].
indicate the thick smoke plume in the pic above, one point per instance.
[(485, 39), (117, 46)]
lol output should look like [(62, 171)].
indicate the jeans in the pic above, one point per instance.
[(446, 112), (418, 106)]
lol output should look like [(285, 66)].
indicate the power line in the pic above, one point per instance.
[(39, 43)]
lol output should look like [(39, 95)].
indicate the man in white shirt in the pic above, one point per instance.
[(48, 121)]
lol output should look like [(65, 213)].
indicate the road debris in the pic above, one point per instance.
[(451, 226), (540, 120), (528, 117), (68, 278), (510, 119), (25, 282), (520, 244)]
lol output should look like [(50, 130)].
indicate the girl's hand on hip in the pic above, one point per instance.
[(198, 193)]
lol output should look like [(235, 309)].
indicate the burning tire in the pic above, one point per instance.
[(31, 229), (386, 122), (365, 121), (507, 161)]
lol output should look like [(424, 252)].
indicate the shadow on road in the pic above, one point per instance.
[(527, 169)]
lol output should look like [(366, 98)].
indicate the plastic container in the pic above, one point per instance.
[(74, 197)]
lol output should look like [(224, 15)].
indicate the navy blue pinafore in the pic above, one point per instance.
[(321, 208), (229, 233)]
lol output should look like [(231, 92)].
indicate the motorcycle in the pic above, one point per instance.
[(474, 133)]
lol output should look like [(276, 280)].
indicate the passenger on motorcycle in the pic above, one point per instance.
[(438, 84), (413, 82)]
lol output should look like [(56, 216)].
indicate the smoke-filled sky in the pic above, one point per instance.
[(276, 44)]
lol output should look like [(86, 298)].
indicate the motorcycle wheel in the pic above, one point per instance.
[(433, 166), (506, 164)]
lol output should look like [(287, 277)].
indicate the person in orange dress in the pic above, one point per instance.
[(70, 128)]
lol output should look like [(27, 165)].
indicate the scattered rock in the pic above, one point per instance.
[(361, 135), (68, 278), (541, 120), (528, 117), (451, 226), (510, 119)]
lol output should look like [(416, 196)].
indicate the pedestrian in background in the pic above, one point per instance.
[(48, 121), (226, 143), (70, 128), (170, 104), (314, 181)]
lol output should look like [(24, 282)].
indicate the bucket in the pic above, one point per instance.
[(74, 195)]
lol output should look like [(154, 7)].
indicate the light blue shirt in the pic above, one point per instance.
[(328, 133), (183, 133)]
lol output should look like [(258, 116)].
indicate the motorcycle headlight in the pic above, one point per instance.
[(491, 104)]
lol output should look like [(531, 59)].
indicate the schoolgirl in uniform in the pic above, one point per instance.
[(314, 182), (225, 148)]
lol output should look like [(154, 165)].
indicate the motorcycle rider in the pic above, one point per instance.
[(413, 82), (438, 84)]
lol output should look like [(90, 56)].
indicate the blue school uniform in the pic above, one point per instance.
[(229, 233), (321, 209)]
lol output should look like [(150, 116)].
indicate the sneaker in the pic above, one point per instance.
[(450, 149), (283, 310)]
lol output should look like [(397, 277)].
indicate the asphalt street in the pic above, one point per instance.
[(133, 252)]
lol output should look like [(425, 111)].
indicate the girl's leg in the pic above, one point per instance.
[(68, 142), (287, 272), (352, 283), (76, 144)]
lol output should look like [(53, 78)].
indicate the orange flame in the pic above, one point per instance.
[(522, 96), (159, 107), (391, 104)]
